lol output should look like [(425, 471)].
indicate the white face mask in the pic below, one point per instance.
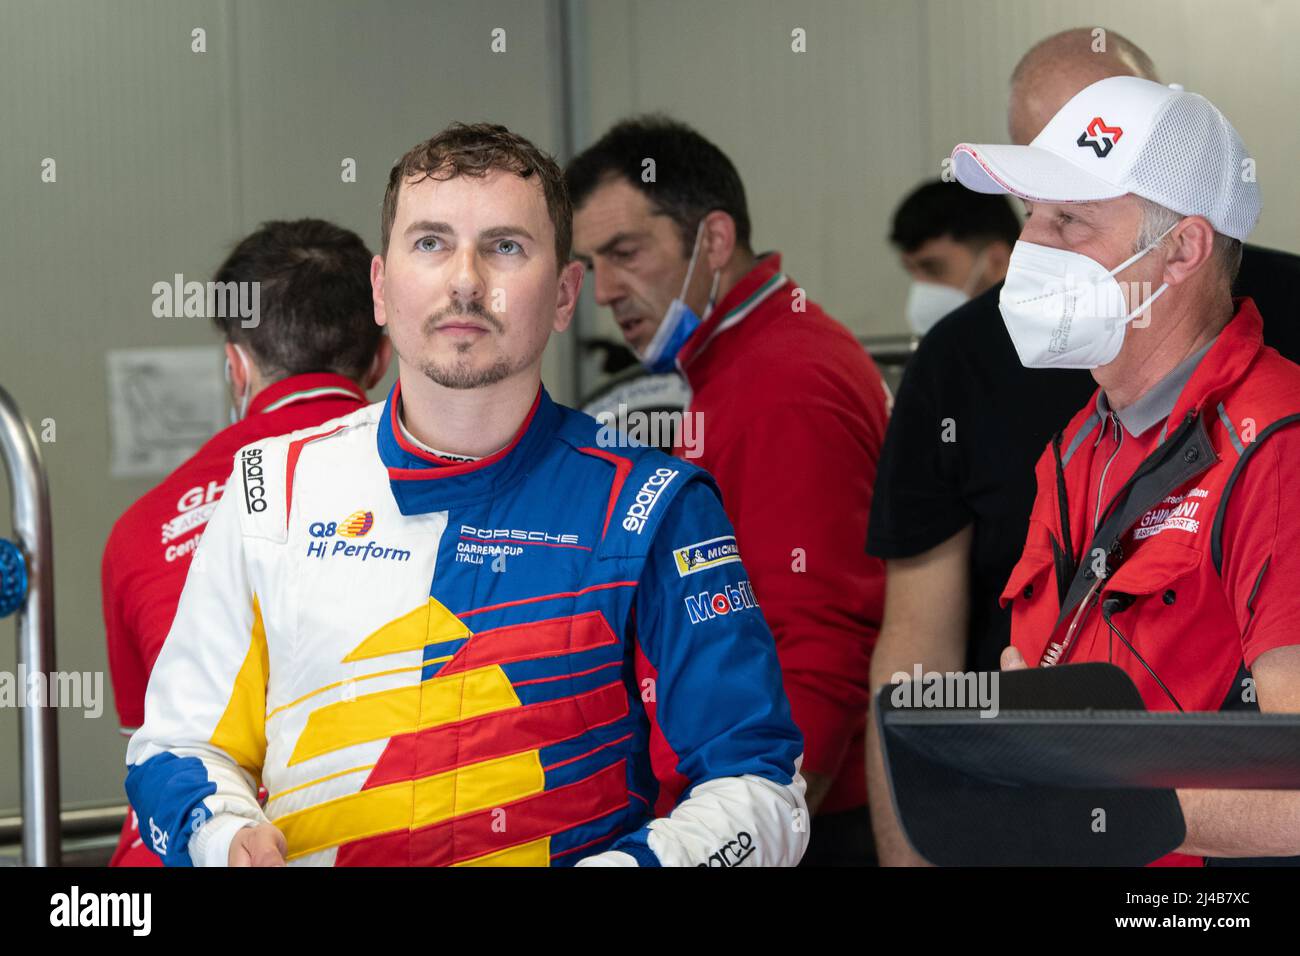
[(928, 302), (1066, 310)]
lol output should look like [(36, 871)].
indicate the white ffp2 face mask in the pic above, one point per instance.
[(928, 302), (1066, 310)]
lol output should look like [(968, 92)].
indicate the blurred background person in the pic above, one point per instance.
[(954, 245), (791, 412), (310, 358)]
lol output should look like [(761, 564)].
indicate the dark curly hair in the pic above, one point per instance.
[(475, 149)]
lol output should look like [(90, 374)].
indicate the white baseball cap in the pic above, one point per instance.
[(1126, 135)]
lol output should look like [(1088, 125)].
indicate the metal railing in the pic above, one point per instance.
[(890, 349), (38, 728), (88, 821)]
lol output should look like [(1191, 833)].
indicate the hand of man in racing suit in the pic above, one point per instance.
[(260, 845)]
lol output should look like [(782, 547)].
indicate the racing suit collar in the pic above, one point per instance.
[(422, 482), (304, 388), (758, 283)]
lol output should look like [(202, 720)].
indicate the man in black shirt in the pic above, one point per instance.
[(954, 244), (956, 480)]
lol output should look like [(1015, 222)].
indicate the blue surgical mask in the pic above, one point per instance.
[(679, 322)]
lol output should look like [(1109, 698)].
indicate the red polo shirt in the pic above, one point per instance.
[(793, 414), (150, 547), (1193, 624)]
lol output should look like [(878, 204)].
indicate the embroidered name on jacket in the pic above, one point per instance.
[(1177, 512)]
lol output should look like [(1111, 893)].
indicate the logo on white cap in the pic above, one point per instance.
[(1120, 136), (1100, 137)]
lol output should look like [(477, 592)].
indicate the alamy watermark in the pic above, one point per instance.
[(70, 690), (658, 429), (965, 689), (133, 911), (208, 300)]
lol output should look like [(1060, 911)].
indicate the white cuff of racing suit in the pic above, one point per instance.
[(210, 844)]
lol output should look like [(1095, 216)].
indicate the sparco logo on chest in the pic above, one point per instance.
[(646, 499), (250, 461)]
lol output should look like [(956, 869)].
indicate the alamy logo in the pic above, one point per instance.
[(976, 690), (75, 908), (212, 300)]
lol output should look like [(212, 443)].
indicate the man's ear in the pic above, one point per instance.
[(377, 290), (566, 299), (379, 364), (1188, 248), (719, 240), (239, 371)]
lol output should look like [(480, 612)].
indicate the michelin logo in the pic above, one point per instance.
[(646, 499), (706, 554), (733, 597)]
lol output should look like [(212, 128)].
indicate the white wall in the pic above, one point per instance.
[(830, 140)]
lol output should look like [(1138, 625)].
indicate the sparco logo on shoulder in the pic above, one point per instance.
[(250, 460), (639, 512)]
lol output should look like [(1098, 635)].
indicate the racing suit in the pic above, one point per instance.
[(546, 656), (152, 544), (791, 413)]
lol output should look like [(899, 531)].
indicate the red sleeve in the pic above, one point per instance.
[(797, 486), (1261, 550), (130, 676)]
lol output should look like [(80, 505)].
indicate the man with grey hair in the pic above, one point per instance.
[(951, 515), (1137, 206)]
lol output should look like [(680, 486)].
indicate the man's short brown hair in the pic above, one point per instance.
[(316, 312), (475, 149)]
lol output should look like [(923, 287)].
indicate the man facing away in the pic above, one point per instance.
[(310, 357), (791, 413)]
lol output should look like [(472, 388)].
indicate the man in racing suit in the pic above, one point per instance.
[(452, 628), (308, 359)]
